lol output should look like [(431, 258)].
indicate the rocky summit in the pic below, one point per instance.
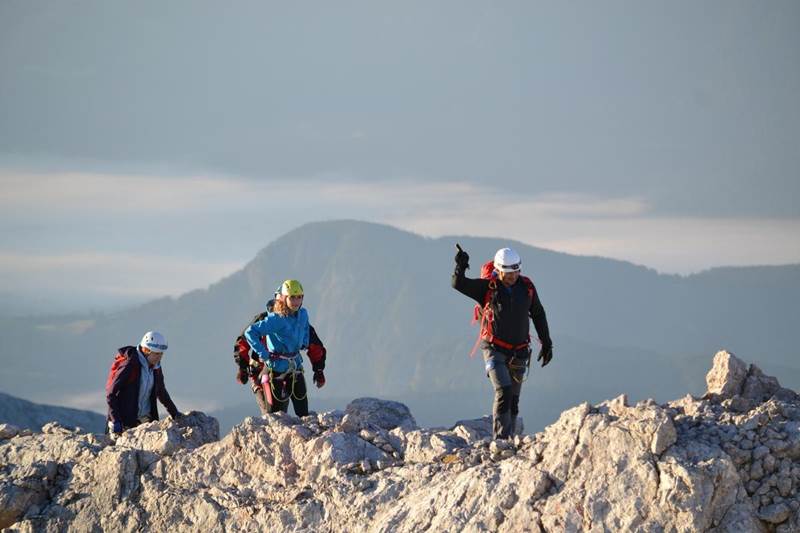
[(726, 462)]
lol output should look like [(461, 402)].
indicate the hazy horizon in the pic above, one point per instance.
[(150, 149)]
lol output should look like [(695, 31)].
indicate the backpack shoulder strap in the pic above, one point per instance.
[(530, 286), (490, 290)]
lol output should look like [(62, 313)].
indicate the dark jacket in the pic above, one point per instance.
[(511, 307), (122, 389)]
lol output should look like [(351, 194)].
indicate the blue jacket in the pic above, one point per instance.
[(285, 335)]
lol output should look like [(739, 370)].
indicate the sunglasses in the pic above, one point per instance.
[(157, 347)]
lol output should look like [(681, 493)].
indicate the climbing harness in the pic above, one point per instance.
[(271, 378), (517, 363)]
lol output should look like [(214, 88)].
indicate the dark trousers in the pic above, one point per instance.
[(284, 390), (506, 372)]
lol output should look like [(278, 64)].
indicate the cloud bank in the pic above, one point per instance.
[(150, 236)]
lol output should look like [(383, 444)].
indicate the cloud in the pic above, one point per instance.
[(584, 206), (617, 228), (103, 193), (143, 275), (203, 228), (81, 193), (77, 327)]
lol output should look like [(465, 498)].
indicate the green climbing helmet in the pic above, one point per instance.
[(291, 287)]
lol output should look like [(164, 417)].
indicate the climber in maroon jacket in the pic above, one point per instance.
[(134, 383)]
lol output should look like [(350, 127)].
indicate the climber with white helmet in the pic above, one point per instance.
[(506, 300), (134, 382), (275, 343)]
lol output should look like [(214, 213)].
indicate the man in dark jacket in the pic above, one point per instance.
[(507, 300), (134, 383)]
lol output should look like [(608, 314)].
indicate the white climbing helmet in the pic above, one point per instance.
[(507, 260), (155, 341)]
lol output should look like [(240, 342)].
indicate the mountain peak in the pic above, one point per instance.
[(727, 461)]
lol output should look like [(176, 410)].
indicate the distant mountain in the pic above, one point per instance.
[(25, 414), (381, 300)]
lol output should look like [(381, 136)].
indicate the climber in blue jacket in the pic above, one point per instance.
[(285, 331)]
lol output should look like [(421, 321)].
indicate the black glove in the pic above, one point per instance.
[(242, 375), (462, 259), (319, 378), (546, 353)]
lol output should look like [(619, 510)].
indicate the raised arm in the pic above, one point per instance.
[(474, 288)]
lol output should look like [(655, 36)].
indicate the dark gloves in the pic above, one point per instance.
[(242, 375), (546, 353), (462, 260), (319, 378)]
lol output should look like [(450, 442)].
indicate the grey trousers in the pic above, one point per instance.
[(507, 383)]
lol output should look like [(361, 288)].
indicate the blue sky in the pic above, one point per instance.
[(150, 148)]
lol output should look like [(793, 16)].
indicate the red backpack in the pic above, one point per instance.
[(116, 367), (243, 352), (485, 315)]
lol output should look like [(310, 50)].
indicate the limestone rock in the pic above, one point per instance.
[(167, 436), (8, 431), (423, 446), (475, 429), (727, 375), (363, 412), (730, 379), (775, 514), (711, 464), (481, 428)]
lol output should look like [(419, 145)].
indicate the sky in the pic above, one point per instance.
[(150, 148)]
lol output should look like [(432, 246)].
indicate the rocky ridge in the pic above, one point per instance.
[(729, 461)]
